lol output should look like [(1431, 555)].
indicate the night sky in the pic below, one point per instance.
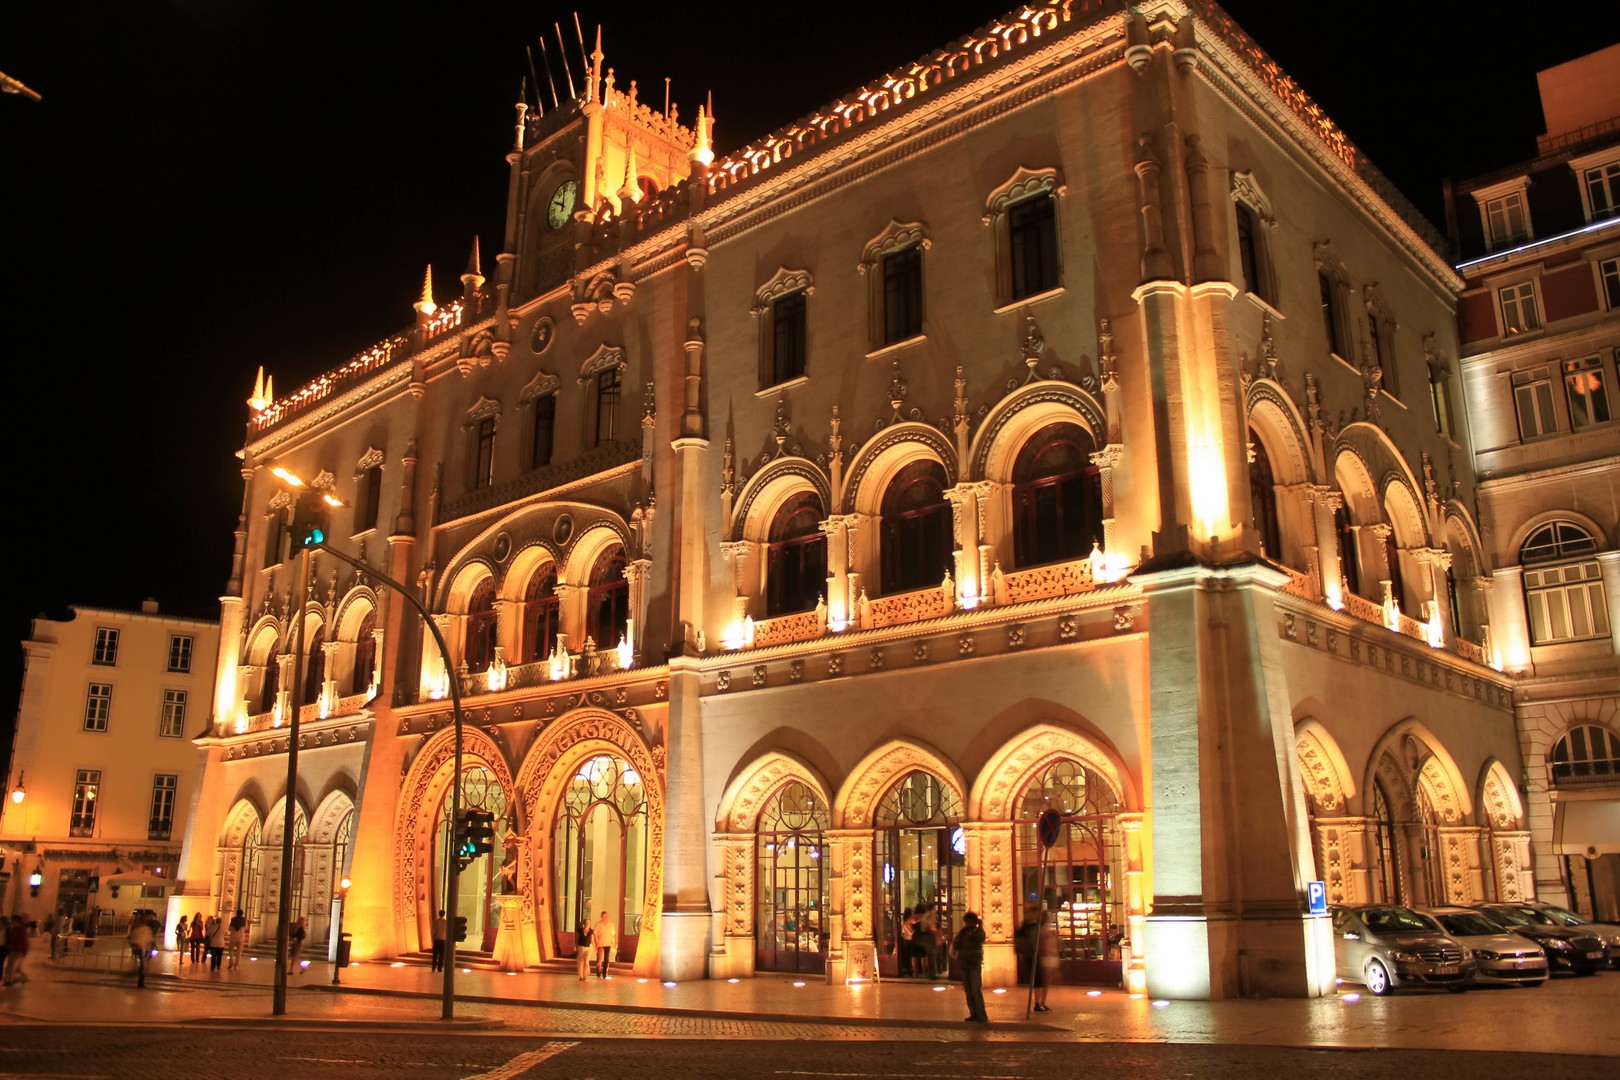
[(211, 185)]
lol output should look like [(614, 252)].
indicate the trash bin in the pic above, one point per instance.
[(343, 950)]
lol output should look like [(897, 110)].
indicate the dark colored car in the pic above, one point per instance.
[(1567, 949), (1608, 933), (1501, 956), (1386, 947)]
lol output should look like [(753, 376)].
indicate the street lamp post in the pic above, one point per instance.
[(278, 1004), (340, 954), (316, 541)]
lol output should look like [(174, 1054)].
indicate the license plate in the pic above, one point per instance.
[(1594, 956), (1446, 969)]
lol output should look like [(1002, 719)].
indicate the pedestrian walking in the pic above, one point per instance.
[(1044, 971), (969, 950), (214, 940), (604, 936), (197, 936), (140, 947), (16, 950), (440, 929), (237, 939), (182, 941), (582, 948), (295, 946)]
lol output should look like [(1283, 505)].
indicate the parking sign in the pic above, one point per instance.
[(1316, 893)]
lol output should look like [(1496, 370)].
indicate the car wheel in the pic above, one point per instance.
[(1538, 982), (1586, 971), (1458, 989), (1378, 978)]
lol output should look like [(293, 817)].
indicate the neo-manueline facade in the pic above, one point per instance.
[(1060, 422)]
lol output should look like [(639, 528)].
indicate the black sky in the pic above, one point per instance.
[(211, 185)]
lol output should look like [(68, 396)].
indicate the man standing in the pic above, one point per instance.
[(237, 939), (440, 928), (605, 936), (17, 939), (969, 949), (140, 947)]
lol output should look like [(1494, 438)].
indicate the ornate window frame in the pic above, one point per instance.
[(1381, 341), (1330, 272), (1024, 184), (544, 384), (782, 284), (1249, 197), (897, 237), (484, 410), (607, 359), (368, 474)]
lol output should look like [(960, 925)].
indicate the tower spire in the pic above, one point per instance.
[(425, 307)]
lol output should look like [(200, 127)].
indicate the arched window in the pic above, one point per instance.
[(1079, 881), (1563, 584), (1386, 876), (1392, 561), (1349, 556), (1263, 495), (916, 528), (921, 857), (1429, 848), (365, 654), (599, 852), (542, 615), (791, 886), (607, 608), (796, 558), (480, 650), (1057, 496), (315, 666), (272, 683), (1588, 754)]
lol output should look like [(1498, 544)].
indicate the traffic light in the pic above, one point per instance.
[(309, 520), (461, 928), (480, 832)]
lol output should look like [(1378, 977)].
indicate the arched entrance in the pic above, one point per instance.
[(790, 916), (474, 882), (1081, 877), (599, 852), (921, 859), (239, 866)]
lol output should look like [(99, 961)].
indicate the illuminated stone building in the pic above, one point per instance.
[(103, 771), (1044, 425), (1539, 323)]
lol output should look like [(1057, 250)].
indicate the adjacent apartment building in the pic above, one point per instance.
[(103, 768), (1539, 322), (1060, 422)]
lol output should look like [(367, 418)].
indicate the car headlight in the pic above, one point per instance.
[(1556, 943), (1404, 957), (1469, 954), (1484, 954)]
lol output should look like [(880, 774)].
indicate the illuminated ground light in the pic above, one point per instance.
[(466, 971), (255, 959), (641, 980), (1161, 1004), (1138, 997), (999, 990), (669, 986), (1093, 993), (397, 963), (734, 981), (511, 973), (303, 963), (937, 989), (1350, 999)]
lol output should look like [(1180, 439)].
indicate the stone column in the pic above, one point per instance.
[(1133, 950), (684, 922), (1609, 561), (1437, 564), (1510, 626), (965, 526), (734, 885)]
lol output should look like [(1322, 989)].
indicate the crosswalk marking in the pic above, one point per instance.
[(524, 1062)]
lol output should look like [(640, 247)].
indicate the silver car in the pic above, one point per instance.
[(1384, 947), (1499, 954)]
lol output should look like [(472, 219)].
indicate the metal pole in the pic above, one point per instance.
[(1040, 923), (278, 1005), (451, 907)]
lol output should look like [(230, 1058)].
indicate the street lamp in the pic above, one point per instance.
[(309, 521), (20, 792)]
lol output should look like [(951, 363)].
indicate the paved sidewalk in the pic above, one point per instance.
[(1566, 1016)]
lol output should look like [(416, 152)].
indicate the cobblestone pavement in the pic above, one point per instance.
[(105, 1053), (1567, 1016)]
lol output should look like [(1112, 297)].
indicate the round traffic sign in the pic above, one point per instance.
[(1049, 826)]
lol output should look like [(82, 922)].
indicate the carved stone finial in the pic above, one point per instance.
[(1033, 346), (1107, 360), (897, 389), (1268, 348), (781, 427)]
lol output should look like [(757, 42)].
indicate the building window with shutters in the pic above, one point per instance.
[(164, 788), (1563, 585), (86, 791), (172, 720)]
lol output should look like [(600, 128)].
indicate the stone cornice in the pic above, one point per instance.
[(638, 688), (312, 735)]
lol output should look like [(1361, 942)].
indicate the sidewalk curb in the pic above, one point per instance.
[(347, 1025), (706, 1014)]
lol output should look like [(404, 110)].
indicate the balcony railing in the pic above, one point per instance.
[(906, 607), (784, 629)]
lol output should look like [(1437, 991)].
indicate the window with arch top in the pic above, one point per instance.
[(481, 625), (916, 536), (315, 666), (1263, 494), (1563, 584), (608, 599), (1057, 496), (365, 654), (542, 614), (1588, 754), (796, 557)]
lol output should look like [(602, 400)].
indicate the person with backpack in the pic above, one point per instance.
[(969, 950)]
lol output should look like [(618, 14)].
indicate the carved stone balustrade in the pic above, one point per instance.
[(1040, 582), (802, 626), (905, 608)]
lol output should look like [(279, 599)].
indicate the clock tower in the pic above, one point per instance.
[(578, 163)]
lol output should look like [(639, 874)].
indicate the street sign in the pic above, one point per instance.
[(1316, 893), (1050, 827)]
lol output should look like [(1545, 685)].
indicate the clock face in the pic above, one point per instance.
[(561, 206)]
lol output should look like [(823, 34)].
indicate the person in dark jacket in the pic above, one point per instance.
[(969, 950)]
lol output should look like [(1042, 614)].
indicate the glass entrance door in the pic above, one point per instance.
[(600, 853), (790, 916), (476, 887), (920, 857)]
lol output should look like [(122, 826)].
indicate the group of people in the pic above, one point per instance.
[(594, 946), (215, 940), (921, 944)]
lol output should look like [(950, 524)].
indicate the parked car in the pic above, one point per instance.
[(1567, 949), (1385, 947), (1608, 933), (1499, 955)]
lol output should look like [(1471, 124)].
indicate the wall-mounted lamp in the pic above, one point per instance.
[(36, 879), (20, 792)]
